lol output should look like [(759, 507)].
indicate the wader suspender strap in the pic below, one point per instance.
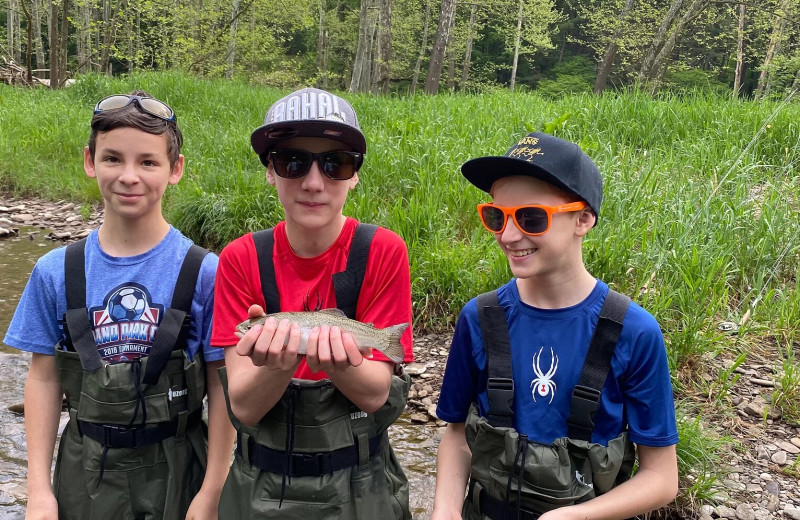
[(265, 242), (78, 326), (169, 329), (497, 344), (346, 284), (586, 394)]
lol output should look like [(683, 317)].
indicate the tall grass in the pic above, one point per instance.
[(699, 222)]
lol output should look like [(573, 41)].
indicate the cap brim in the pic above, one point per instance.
[(266, 137), (484, 171)]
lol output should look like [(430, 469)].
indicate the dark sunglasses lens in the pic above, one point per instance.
[(531, 220), (156, 107), (338, 165), (493, 218), (113, 103), (291, 164)]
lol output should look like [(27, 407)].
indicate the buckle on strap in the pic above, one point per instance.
[(501, 396), (585, 402)]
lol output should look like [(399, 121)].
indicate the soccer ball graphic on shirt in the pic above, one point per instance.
[(127, 304)]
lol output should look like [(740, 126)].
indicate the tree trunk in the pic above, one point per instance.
[(29, 46), (468, 54), (777, 31), (423, 47), (384, 55), (83, 37), (658, 65), (322, 74), (37, 35), (737, 79), (658, 40), (361, 50), (611, 51), (439, 46), (231, 57), (12, 30), (517, 40)]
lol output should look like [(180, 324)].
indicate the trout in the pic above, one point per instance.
[(366, 336)]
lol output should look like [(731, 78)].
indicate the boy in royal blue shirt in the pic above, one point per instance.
[(546, 196)]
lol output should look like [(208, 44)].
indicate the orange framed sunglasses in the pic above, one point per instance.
[(531, 219)]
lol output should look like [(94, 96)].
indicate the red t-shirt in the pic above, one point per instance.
[(306, 283)]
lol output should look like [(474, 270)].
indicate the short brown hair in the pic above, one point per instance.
[(132, 116)]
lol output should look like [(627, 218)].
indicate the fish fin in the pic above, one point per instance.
[(395, 351), (333, 312)]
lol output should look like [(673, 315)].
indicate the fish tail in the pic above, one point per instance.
[(394, 349)]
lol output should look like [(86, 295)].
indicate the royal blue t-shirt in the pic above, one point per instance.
[(548, 348), (126, 298)]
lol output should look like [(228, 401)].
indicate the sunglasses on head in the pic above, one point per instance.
[(149, 105), (293, 164), (531, 219)]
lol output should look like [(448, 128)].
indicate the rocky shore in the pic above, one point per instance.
[(762, 476)]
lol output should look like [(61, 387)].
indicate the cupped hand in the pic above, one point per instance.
[(331, 350)]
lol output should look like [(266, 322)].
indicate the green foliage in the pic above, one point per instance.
[(572, 76), (786, 397), (683, 80)]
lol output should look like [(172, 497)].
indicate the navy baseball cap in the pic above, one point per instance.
[(544, 157), (309, 112)]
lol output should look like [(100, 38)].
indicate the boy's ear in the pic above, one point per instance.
[(353, 181), (88, 163), (270, 176), (585, 222), (177, 170)]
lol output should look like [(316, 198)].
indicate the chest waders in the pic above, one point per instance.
[(514, 478), (315, 455), (135, 446)]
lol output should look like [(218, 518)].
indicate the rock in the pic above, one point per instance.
[(414, 369), (788, 447), (24, 218), (745, 512), (792, 512), (773, 502), (773, 488), (780, 458), (419, 418), (725, 512)]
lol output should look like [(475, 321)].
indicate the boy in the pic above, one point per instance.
[(131, 353), (311, 429), (542, 424)]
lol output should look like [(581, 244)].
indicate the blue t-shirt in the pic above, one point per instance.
[(548, 347), (126, 298)]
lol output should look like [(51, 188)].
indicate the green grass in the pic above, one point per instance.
[(699, 222)]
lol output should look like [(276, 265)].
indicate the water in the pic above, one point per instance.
[(413, 443)]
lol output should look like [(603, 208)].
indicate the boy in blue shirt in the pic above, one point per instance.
[(128, 310), (541, 424)]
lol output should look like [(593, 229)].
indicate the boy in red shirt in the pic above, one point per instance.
[(312, 428)]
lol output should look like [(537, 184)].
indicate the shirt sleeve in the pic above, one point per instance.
[(36, 325), (647, 389), (385, 298), (461, 375), (237, 286), (204, 313)]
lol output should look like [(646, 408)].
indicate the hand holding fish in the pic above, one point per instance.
[(330, 349), (264, 343)]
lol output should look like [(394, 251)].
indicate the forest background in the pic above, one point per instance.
[(697, 133)]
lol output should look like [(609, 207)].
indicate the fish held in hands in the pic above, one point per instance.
[(366, 336)]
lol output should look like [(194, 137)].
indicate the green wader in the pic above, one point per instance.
[(514, 478), (316, 456), (135, 445)]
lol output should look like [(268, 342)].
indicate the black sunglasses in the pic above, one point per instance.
[(293, 164), (149, 105)]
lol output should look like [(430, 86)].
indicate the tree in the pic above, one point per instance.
[(611, 49), (436, 61)]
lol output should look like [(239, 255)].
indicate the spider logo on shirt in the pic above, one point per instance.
[(543, 384)]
